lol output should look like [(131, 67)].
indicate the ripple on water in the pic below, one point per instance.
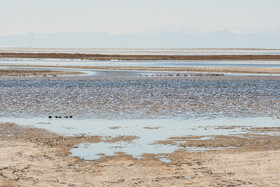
[(139, 99)]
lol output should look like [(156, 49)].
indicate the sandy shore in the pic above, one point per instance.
[(35, 157), (138, 57)]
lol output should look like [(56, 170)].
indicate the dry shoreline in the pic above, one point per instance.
[(103, 57), (36, 157)]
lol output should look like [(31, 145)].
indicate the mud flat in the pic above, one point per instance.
[(30, 72), (103, 57), (36, 157), (236, 70)]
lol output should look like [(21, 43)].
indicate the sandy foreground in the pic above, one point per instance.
[(36, 157)]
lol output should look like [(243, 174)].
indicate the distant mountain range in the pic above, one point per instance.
[(159, 39)]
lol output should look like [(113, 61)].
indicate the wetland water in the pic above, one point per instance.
[(151, 109), (139, 98)]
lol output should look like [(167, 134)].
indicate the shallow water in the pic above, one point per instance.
[(131, 73), (57, 62), (138, 99), (160, 129)]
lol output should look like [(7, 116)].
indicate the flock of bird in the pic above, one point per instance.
[(60, 117)]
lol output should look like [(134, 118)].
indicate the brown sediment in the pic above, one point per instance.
[(113, 128), (30, 72), (254, 140), (36, 157), (149, 128), (243, 142), (138, 57), (266, 129), (120, 138)]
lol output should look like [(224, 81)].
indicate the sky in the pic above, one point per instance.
[(132, 16)]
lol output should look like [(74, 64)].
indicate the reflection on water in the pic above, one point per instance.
[(148, 131)]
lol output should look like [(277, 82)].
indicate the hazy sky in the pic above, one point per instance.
[(128, 16)]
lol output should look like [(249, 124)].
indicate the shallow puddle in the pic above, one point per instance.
[(159, 129)]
